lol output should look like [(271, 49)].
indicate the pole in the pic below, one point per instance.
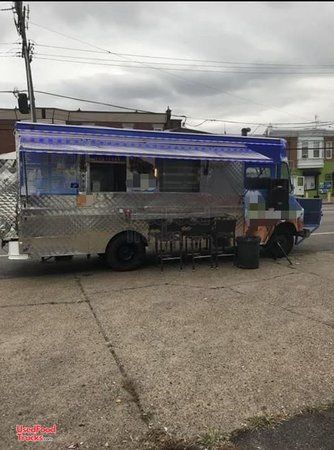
[(26, 53)]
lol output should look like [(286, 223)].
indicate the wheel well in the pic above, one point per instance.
[(286, 227), (131, 235)]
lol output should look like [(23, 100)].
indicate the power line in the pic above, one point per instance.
[(188, 59), (301, 125), (139, 62), (201, 119), (92, 61), (72, 37), (254, 123), (94, 102), (188, 67), (71, 48), (83, 100), (243, 99)]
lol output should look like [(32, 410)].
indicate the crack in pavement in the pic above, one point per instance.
[(143, 287), (227, 286), (322, 322), (230, 287), (314, 273), (42, 304), (128, 384), (103, 291), (284, 308)]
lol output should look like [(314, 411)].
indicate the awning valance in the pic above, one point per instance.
[(133, 143)]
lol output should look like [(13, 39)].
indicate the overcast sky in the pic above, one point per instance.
[(291, 33)]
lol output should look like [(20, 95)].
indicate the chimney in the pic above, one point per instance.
[(168, 118)]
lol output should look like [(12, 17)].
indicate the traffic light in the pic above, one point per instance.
[(24, 107)]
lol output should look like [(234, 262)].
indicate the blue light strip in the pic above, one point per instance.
[(47, 141)]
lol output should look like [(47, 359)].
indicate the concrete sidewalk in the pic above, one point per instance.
[(114, 359), (56, 369)]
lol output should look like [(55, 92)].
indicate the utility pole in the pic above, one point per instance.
[(21, 25)]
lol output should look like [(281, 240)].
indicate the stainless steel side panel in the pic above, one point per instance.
[(60, 225), (51, 225), (8, 199)]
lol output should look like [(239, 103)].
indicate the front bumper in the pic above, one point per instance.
[(304, 233)]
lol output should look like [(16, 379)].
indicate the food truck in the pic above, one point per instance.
[(83, 190)]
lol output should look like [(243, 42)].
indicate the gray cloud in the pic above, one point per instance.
[(271, 32)]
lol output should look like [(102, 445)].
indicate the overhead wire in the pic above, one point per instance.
[(9, 43), (94, 102), (92, 61), (83, 100), (193, 82), (311, 124), (255, 123), (173, 58)]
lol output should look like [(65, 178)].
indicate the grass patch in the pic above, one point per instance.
[(159, 440), (263, 421), (212, 439), (130, 387)]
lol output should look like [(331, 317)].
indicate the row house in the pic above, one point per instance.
[(311, 159)]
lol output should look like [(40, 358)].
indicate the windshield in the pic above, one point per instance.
[(258, 172), (285, 174)]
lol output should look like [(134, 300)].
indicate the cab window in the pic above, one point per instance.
[(258, 177)]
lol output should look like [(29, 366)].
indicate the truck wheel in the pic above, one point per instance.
[(285, 239), (63, 258), (124, 253)]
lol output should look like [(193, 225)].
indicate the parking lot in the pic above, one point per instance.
[(124, 360)]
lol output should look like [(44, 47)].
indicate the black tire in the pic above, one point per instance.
[(285, 239), (63, 258), (125, 252)]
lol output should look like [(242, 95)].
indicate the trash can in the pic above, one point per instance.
[(248, 252)]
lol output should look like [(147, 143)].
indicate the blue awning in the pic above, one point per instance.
[(40, 138)]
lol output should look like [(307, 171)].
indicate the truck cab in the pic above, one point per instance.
[(272, 210)]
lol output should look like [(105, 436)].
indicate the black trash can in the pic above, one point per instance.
[(248, 252)]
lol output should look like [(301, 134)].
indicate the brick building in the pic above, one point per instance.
[(311, 158), (136, 120)]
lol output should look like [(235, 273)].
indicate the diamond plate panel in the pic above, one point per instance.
[(8, 199), (55, 225), (66, 224)]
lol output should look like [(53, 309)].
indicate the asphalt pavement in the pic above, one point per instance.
[(323, 238), (149, 360)]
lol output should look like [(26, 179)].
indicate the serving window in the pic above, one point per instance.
[(108, 175), (141, 175), (49, 174), (179, 175)]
